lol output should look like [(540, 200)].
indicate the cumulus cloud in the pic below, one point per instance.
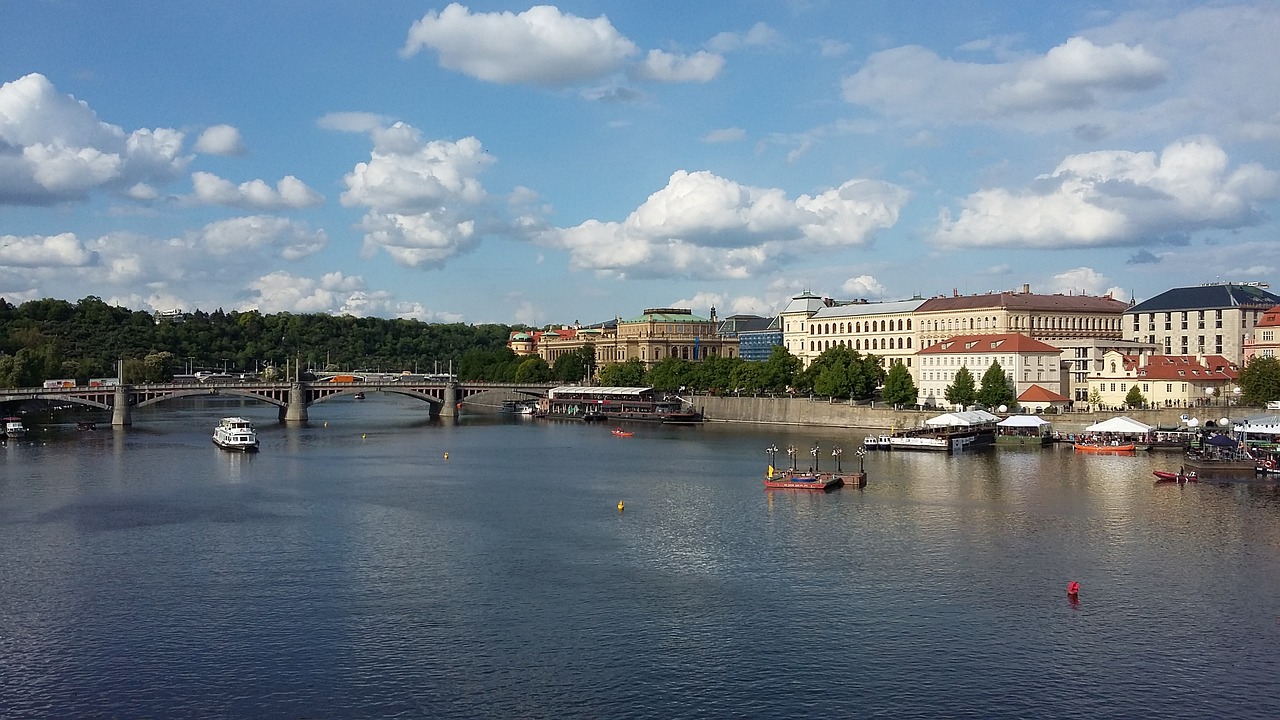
[(663, 66), (43, 251), (57, 150), (334, 294), (913, 82), (220, 140), (289, 193), (540, 46), (863, 286), (1112, 198), (1086, 281), (760, 35), (258, 233), (422, 197), (703, 225)]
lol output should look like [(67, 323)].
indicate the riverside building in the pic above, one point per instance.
[(1028, 364), (1212, 319)]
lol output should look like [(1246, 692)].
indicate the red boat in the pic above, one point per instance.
[(796, 480), (622, 433), (1090, 448), (1164, 476)]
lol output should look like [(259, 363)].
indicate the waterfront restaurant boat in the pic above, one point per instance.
[(632, 404), (1116, 435), (1024, 430), (949, 432), (235, 433), (13, 427), (519, 407)]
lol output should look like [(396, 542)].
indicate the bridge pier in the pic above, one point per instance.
[(450, 407), (121, 411), (296, 409)]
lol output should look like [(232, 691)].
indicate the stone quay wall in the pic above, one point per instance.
[(823, 412)]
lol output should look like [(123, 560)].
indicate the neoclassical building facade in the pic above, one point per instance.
[(653, 336)]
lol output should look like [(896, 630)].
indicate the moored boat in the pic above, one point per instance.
[(236, 433), (1092, 448), (632, 404), (796, 480), (13, 427)]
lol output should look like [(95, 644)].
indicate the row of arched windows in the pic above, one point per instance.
[(872, 344), (858, 327), (1019, 323)]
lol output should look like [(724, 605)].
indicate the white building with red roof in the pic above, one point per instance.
[(1026, 362), (1164, 380)]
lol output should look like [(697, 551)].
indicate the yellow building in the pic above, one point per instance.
[(1165, 380)]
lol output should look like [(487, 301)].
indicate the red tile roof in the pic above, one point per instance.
[(1035, 394), (1182, 367), (1270, 318), (996, 342), (1025, 301)]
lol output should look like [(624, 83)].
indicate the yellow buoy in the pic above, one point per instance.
[(446, 456), (362, 436), (621, 506)]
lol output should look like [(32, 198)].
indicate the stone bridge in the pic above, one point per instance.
[(293, 398)]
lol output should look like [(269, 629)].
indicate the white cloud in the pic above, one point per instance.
[(863, 286), (662, 66), (914, 83), (220, 140), (1078, 281), (760, 35), (358, 122), (1115, 198), (248, 236), (334, 294), (540, 46), (37, 251), (58, 149), (423, 197), (290, 192), (702, 225), (720, 135)]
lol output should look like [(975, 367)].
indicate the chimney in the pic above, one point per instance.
[(1026, 288), (955, 292), (1142, 359)]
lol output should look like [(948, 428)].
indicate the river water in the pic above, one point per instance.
[(377, 564)]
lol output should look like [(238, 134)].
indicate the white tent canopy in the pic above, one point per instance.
[(968, 418), (1261, 425), (1120, 425), (1023, 421)]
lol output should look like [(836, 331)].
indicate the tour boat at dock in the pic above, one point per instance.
[(630, 404), (237, 434)]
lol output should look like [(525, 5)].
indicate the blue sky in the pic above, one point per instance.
[(499, 162)]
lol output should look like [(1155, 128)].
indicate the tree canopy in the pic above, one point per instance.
[(46, 339), (962, 390)]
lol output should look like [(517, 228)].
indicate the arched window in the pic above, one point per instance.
[(908, 323), (908, 343)]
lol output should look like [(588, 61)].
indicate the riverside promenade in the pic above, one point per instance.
[(823, 412)]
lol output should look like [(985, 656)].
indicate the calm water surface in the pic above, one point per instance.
[(351, 569)]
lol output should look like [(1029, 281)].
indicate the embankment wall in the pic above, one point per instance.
[(822, 412)]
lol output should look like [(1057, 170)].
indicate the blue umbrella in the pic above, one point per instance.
[(1222, 441)]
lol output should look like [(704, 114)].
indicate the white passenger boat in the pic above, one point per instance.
[(235, 433), (13, 427)]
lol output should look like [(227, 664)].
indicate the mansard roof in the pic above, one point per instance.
[(1024, 302), (1209, 297), (735, 324), (1270, 318), (994, 342), (863, 309), (805, 302)]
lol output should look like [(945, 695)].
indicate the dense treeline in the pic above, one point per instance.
[(45, 339)]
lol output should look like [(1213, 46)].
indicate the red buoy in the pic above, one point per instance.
[(1073, 588)]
